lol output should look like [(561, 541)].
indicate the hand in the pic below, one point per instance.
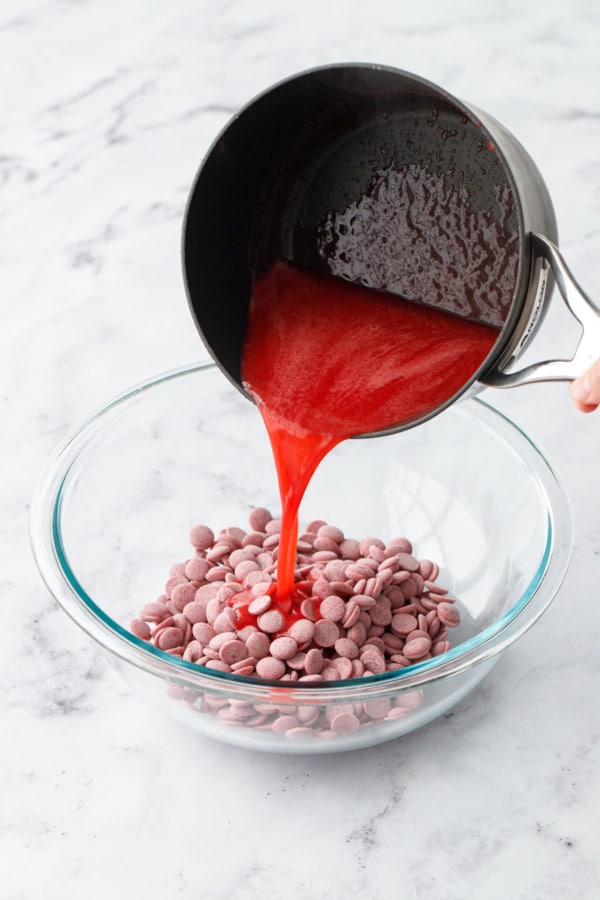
[(585, 390)]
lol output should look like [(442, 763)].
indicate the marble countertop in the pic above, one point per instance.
[(106, 112)]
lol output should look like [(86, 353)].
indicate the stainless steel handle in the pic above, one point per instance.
[(582, 308)]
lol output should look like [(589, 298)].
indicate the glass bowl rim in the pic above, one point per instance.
[(56, 571)]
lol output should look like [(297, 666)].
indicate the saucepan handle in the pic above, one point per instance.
[(582, 308)]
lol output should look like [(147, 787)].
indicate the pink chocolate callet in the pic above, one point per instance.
[(324, 556), (206, 592), (140, 629), (270, 668), (417, 647), (244, 568), (338, 709), (346, 647), (321, 588), (410, 588), (392, 642), (390, 563), (377, 553), (345, 723), (154, 612), (331, 532), (377, 642), (299, 733), (359, 571), (217, 573), (330, 671), (283, 648), (326, 633), (169, 638), (425, 568), (353, 612), (240, 555), (358, 668), (271, 621), (378, 708), (259, 518), (195, 612), (314, 525), (335, 570), (427, 603), (182, 594), (218, 665), (309, 610), (203, 632), (284, 723), (399, 545), (408, 562), (196, 568), (434, 626), (303, 631), (253, 539), (357, 633), (307, 714), (221, 638), (403, 623), (325, 544), (296, 662), (233, 651), (373, 660), (273, 526), (225, 620), (264, 559), (213, 608), (260, 604), (313, 661), (350, 549), (343, 666), (333, 608), (367, 542), (219, 551), (435, 588), (258, 644), (448, 614), (304, 548), (244, 667), (192, 652), (381, 612), (201, 537), (173, 582)]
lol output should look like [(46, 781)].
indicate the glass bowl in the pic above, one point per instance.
[(112, 511)]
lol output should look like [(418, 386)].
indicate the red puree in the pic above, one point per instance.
[(326, 360)]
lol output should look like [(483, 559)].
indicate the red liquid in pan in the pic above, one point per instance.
[(326, 360)]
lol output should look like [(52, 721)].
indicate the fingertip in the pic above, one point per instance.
[(580, 391)]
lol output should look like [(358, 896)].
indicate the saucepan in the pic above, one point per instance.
[(376, 175)]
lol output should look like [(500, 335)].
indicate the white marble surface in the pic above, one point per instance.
[(106, 110)]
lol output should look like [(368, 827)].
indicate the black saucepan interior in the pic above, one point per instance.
[(365, 173)]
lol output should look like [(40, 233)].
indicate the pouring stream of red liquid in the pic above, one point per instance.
[(326, 360)]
